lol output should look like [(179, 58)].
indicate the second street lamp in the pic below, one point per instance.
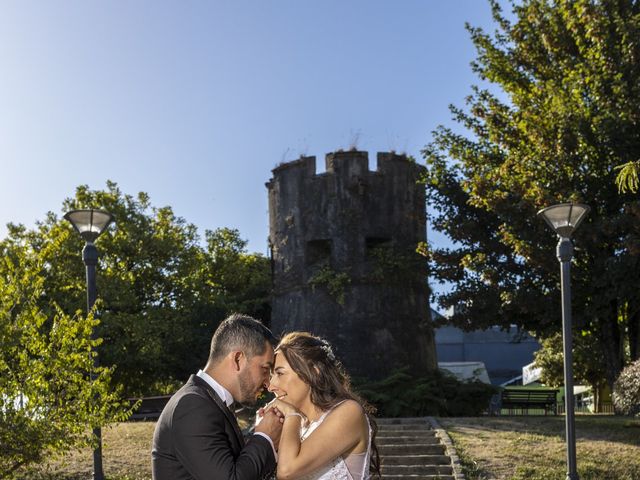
[(90, 224), (564, 219)]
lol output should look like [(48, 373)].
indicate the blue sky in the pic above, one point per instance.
[(194, 102)]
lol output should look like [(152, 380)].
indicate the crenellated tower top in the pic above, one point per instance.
[(337, 226)]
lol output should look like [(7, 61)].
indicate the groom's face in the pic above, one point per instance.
[(254, 376)]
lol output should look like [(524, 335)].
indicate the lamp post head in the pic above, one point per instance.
[(564, 218), (89, 223)]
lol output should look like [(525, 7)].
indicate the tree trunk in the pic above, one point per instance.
[(633, 324), (611, 338), (596, 397)]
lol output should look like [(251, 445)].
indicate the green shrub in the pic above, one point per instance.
[(47, 401), (626, 390), (438, 393)]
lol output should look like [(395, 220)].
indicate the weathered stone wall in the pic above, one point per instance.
[(344, 263)]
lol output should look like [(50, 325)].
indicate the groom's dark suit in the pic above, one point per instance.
[(197, 438)]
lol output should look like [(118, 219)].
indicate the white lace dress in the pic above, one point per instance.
[(352, 467)]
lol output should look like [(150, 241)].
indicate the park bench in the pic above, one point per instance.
[(534, 398), (149, 407)]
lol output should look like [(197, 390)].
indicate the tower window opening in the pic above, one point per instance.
[(373, 243)]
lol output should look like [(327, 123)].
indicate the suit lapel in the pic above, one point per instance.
[(222, 406)]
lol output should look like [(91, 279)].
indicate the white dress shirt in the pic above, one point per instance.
[(227, 398), (222, 392)]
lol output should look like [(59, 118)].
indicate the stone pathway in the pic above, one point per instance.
[(416, 449)]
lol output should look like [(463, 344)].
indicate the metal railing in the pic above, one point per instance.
[(605, 409)]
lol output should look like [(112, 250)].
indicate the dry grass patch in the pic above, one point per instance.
[(533, 448), (126, 456)]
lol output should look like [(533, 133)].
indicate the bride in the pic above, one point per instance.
[(328, 431)]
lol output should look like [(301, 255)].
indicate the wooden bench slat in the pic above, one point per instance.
[(529, 398)]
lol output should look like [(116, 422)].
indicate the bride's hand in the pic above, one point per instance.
[(285, 407), (272, 405), (267, 407), (289, 410)]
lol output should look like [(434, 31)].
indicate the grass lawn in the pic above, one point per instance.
[(126, 455), (491, 448), (533, 448)]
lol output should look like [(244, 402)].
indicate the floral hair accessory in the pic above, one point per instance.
[(327, 350)]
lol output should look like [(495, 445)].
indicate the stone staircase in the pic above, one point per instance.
[(413, 449)]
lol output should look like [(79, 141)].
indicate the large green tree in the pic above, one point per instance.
[(162, 291), (557, 110)]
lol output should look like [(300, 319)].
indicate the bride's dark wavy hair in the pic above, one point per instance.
[(313, 361)]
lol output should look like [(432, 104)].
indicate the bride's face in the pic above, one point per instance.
[(286, 382)]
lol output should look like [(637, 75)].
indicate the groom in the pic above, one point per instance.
[(197, 436)]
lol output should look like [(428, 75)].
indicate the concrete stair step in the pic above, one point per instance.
[(404, 426), (412, 449), (417, 460), (401, 421), (406, 440), (388, 470), (437, 476), (418, 477), (410, 460), (406, 432), (402, 439)]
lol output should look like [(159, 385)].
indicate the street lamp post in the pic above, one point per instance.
[(90, 224), (564, 219)]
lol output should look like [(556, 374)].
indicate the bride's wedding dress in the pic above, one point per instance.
[(352, 467)]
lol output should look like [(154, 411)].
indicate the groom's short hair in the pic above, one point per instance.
[(240, 332)]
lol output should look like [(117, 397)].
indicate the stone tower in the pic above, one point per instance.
[(344, 263)]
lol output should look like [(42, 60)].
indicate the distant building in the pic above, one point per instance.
[(466, 371), (503, 352)]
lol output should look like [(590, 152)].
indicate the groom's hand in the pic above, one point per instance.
[(271, 425)]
